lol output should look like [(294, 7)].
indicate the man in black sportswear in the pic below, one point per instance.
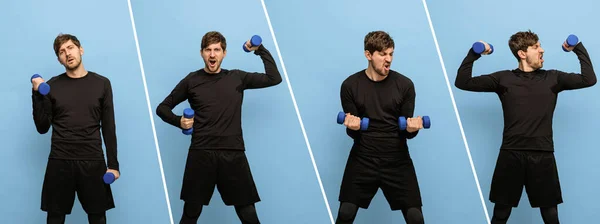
[(216, 154), (379, 157), (79, 108), (528, 95)]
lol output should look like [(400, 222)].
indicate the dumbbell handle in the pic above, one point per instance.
[(364, 122), (43, 88), (188, 113), (254, 41), (571, 41), (479, 47), (402, 122), (109, 178)]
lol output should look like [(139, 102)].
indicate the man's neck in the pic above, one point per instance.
[(79, 72), (212, 73), (372, 75), (525, 67)]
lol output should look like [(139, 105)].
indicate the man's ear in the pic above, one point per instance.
[(522, 54)]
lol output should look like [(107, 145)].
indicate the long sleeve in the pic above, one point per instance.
[(466, 81), (271, 77), (587, 78), (408, 107), (109, 132), (42, 112), (165, 108), (348, 106)]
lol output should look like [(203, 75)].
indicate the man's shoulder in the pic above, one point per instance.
[(98, 76), (353, 78), (56, 78), (400, 78), (504, 72)]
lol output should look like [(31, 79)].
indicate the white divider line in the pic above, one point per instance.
[(456, 111), (297, 112), (150, 111)]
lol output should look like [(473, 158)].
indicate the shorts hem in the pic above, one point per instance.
[(546, 204), (203, 202), (400, 207), (514, 205), (364, 205), (249, 202), (55, 211)]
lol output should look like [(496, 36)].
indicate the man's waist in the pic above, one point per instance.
[(381, 144), (217, 142), (384, 138), (522, 142), (380, 152), (75, 142), (76, 151)]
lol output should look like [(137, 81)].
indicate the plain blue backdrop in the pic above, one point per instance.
[(322, 44), (575, 119), (104, 29), (170, 34)]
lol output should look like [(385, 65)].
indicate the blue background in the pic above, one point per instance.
[(325, 47), (104, 29), (575, 119), (170, 34), (322, 44)]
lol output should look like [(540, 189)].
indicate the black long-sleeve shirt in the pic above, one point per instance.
[(217, 102), (79, 111), (383, 102), (528, 98)]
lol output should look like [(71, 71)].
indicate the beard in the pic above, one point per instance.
[(380, 71), (534, 63), (211, 69), (73, 66)]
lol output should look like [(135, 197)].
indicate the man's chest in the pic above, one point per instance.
[(77, 97), (388, 98), (524, 91), (210, 90)]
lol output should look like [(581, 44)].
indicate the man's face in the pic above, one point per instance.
[(213, 57), (534, 56), (69, 55), (381, 61)]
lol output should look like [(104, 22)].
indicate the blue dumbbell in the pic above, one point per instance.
[(188, 113), (479, 47), (43, 88), (364, 122), (402, 122), (571, 41), (254, 41), (109, 178)]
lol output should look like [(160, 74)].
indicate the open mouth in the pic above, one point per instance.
[(386, 67), (212, 62)]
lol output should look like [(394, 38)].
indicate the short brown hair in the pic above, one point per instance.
[(62, 39), (521, 41), (378, 41), (213, 37)]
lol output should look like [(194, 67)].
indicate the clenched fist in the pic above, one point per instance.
[(352, 122), (414, 124), (186, 123)]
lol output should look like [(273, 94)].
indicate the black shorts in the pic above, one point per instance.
[(396, 176), (227, 169), (64, 178), (536, 170)]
